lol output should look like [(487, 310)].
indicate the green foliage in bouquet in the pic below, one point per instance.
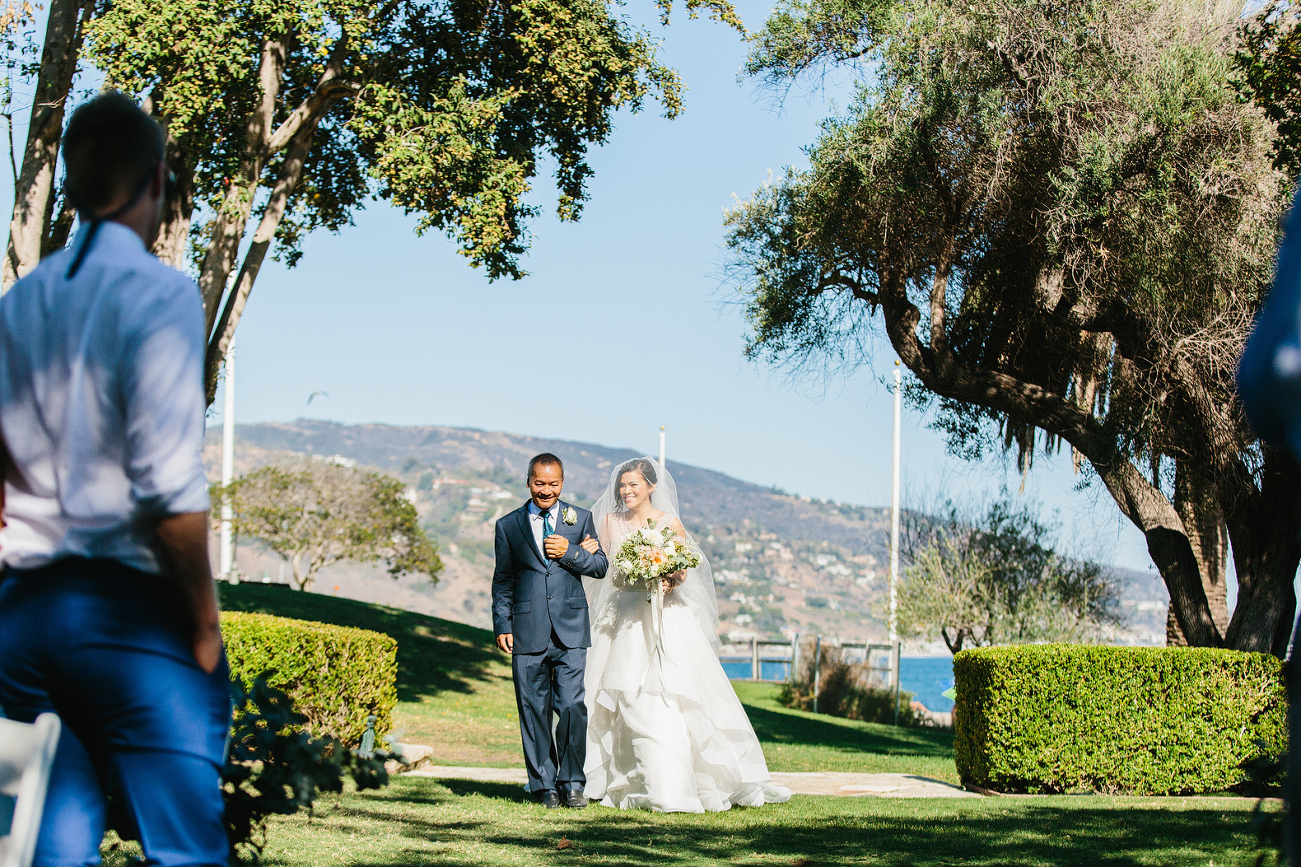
[(652, 552), (1131, 720), (336, 675)]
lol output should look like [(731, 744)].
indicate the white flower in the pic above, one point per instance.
[(569, 516)]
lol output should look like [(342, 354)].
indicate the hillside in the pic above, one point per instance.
[(782, 563)]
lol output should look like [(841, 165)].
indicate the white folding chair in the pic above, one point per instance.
[(26, 754)]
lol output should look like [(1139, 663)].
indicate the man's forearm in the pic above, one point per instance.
[(184, 543)]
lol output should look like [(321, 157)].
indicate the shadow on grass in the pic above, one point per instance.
[(434, 655), (505, 791), (804, 729), (1035, 835)]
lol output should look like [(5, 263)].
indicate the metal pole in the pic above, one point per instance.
[(795, 657), (754, 658), (228, 463), (894, 525), (662, 464), (817, 669), (894, 665)]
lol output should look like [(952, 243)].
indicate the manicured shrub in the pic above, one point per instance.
[(1137, 720), (336, 675)]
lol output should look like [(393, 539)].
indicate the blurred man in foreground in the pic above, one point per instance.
[(1269, 382), (108, 611)]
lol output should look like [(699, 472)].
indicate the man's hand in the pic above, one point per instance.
[(555, 545), (207, 647), (184, 542), (589, 545), (506, 642)]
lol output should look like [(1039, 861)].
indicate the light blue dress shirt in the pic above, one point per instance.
[(535, 522), (101, 404)]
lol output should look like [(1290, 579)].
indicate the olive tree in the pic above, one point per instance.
[(1062, 217), (995, 578), (316, 513)]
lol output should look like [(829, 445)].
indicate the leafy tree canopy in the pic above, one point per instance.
[(1268, 62), (1065, 217), (292, 113)]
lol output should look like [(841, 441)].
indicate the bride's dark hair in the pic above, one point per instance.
[(640, 465)]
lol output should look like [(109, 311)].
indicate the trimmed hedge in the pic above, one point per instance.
[(336, 675), (1134, 720)]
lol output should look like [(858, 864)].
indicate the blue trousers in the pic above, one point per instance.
[(108, 649), (546, 683)]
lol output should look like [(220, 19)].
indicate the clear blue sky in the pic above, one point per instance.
[(624, 323)]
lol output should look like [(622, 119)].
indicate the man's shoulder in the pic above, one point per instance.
[(139, 278)]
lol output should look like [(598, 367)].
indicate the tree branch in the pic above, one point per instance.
[(329, 89), (291, 173)]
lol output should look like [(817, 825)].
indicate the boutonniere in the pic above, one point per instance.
[(569, 516)]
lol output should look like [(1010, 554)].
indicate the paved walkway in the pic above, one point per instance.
[(851, 785)]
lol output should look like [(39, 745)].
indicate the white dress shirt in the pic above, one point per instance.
[(101, 404), (535, 522)]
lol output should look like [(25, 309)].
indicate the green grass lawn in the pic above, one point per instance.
[(422, 821), (454, 694)]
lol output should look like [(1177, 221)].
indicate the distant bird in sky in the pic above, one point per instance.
[(315, 393)]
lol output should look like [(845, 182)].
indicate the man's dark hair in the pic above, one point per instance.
[(546, 459), (110, 149)]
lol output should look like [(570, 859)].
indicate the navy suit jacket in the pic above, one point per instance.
[(533, 596)]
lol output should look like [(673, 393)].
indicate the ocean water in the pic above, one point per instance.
[(926, 677)]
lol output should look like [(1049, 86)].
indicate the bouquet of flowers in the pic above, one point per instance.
[(651, 553)]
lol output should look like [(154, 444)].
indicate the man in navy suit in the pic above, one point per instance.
[(539, 612)]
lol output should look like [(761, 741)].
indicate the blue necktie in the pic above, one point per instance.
[(546, 531)]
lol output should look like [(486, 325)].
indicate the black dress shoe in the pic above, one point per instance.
[(549, 799), (575, 798)]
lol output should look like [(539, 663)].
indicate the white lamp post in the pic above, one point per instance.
[(894, 540), (228, 463)]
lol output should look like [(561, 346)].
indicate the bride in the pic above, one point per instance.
[(665, 729)]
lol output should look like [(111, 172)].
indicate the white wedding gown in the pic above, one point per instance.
[(665, 730)]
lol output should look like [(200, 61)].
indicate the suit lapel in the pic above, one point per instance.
[(526, 527), (569, 531)]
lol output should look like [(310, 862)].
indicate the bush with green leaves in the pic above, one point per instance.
[(1120, 720), (844, 690), (337, 675), (273, 767)]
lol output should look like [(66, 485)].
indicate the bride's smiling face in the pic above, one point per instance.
[(634, 490)]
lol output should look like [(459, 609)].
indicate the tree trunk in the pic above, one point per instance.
[(172, 243), (1174, 636), (1208, 536), (34, 192), (303, 581), (291, 173), (232, 217), (1264, 529)]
